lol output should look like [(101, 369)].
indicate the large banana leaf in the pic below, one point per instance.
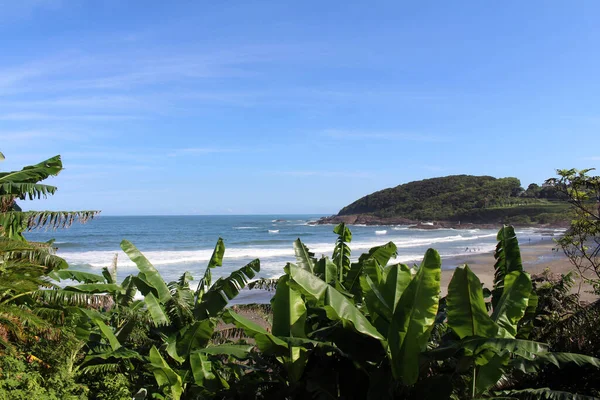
[(327, 270), (148, 273), (218, 296), (508, 259), (156, 309), (381, 254), (413, 319), (305, 258), (467, 314), (556, 358), (202, 370), (107, 333), (339, 307), (512, 305), (79, 276), (34, 173), (289, 311), (266, 342), (216, 260), (239, 351), (396, 279), (194, 337), (167, 379)]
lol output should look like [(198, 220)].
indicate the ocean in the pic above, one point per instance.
[(175, 244)]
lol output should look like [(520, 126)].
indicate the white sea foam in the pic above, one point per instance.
[(383, 232), (400, 228), (245, 227), (273, 230), (170, 257)]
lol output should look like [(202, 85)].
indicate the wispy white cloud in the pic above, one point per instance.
[(327, 174), (379, 135), (35, 116), (594, 158)]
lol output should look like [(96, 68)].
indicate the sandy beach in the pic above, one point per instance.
[(536, 258)]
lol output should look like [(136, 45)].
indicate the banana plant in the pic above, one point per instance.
[(492, 346), (183, 321), (337, 304)]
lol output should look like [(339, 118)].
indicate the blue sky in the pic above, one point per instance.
[(189, 107)]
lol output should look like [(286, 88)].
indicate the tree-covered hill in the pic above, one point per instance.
[(467, 198)]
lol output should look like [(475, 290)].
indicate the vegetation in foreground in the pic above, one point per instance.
[(340, 329)]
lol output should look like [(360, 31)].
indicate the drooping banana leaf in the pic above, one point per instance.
[(340, 308), (216, 298), (194, 337), (166, 378), (556, 358), (266, 342), (156, 309), (148, 273)]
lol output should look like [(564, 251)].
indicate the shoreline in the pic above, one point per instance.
[(370, 220), (536, 258)]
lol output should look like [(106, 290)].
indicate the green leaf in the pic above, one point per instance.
[(556, 358), (195, 337), (34, 173), (95, 288), (508, 259), (201, 369), (216, 260), (326, 270), (225, 289), (289, 311), (107, 333), (166, 378), (512, 305), (381, 254), (156, 310), (305, 258), (341, 251), (147, 272), (490, 373), (265, 341), (79, 276), (239, 351), (413, 319), (467, 314), (396, 278), (340, 307)]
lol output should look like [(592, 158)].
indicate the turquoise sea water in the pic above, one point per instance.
[(175, 244)]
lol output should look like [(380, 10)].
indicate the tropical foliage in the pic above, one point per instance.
[(344, 327), (581, 243)]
